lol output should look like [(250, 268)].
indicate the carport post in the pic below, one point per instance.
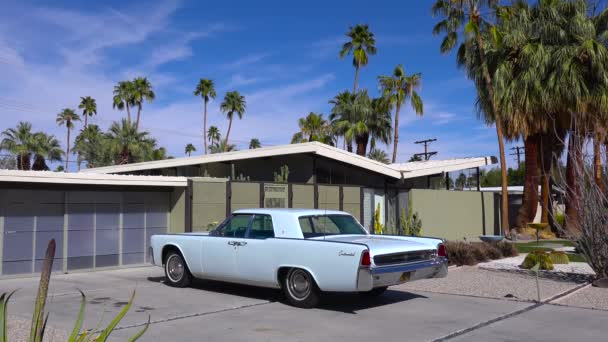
[(1, 230), (66, 217)]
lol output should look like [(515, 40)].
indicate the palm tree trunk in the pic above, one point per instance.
[(23, 161), (86, 121), (67, 151), (362, 144), (138, 114), (396, 134), (356, 79), (527, 211), (128, 113), (504, 212), (597, 162), (573, 171), (349, 145), (546, 144), (228, 134), (205, 127)]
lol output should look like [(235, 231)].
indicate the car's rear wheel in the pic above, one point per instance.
[(300, 289), (176, 270), (375, 292)]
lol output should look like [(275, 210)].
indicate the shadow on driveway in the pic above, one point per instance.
[(331, 301)]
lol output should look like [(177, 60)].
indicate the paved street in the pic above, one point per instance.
[(214, 311)]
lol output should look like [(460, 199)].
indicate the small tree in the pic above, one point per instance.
[(378, 226), (283, 175)]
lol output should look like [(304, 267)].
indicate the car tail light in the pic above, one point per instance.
[(366, 260), (442, 251)]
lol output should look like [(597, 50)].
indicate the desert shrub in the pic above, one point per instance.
[(460, 253), (492, 251), (507, 249), (560, 219), (479, 251), (538, 257), (559, 257)]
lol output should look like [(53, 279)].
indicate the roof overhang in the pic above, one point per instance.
[(47, 177), (432, 167)]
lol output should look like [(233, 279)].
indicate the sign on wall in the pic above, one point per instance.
[(276, 195)]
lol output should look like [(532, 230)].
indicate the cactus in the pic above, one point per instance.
[(283, 175), (378, 227), (538, 257), (410, 224), (559, 257)]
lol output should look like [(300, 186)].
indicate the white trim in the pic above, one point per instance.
[(89, 178), (405, 170)]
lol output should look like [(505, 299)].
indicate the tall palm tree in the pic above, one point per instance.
[(398, 88), (254, 143), (19, 141), (361, 44), (205, 89), (89, 108), (189, 149), (46, 148), (213, 135), (234, 103), (66, 118), (142, 90), (465, 16), (124, 97), (127, 144)]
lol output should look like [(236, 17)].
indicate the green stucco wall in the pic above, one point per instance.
[(303, 196), (208, 203), (177, 216), (455, 215), (351, 201), (244, 196), (329, 197)]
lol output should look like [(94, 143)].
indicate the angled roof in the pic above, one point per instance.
[(405, 170), (19, 176)]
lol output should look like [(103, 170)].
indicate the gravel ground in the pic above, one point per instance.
[(473, 281), (19, 331), (576, 268), (590, 297)]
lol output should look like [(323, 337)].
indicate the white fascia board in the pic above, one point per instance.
[(455, 165), (47, 177)]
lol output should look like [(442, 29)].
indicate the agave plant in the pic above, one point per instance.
[(39, 318)]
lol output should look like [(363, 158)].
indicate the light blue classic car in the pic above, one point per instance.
[(301, 251)]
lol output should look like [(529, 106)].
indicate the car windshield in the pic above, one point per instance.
[(321, 225)]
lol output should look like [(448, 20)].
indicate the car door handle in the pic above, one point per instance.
[(242, 243), (233, 243)]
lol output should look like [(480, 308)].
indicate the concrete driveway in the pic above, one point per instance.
[(212, 311)]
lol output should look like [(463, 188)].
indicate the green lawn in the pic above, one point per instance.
[(527, 247)]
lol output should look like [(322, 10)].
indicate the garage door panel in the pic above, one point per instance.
[(18, 246), (107, 221), (16, 267)]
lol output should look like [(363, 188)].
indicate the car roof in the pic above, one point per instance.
[(292, 211)]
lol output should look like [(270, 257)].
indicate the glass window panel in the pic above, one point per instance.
[(261, 227)]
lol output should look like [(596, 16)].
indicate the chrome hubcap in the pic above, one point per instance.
[(175, 268), (298, 284)]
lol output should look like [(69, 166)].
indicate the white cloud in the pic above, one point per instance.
[(245, 61)]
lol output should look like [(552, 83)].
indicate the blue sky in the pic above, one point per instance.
[(283, 56)]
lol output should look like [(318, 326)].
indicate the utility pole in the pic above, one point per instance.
[(427, 155), (519, 150)]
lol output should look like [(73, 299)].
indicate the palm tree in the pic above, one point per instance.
[(233, 103), (91, 145), (313, 127), (46, 148), (213, 135), (142, 90), (254, 143), (66, 118), (19, 141), (89, 108), (361, 44), (466, 15), (124, 97), (366, 118), (398, 88), (189, 149), (341, 112), (378, 155), (127, 144), (221, 147), (205, 89), (158, 154)]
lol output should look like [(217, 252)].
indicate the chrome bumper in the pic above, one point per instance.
[(397, 274)]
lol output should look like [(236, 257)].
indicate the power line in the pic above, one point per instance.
[(518, 151)]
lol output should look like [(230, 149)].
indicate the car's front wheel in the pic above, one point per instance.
[(176, 270), (300, 289)]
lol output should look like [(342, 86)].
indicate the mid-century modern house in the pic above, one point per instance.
[(103, 217)]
